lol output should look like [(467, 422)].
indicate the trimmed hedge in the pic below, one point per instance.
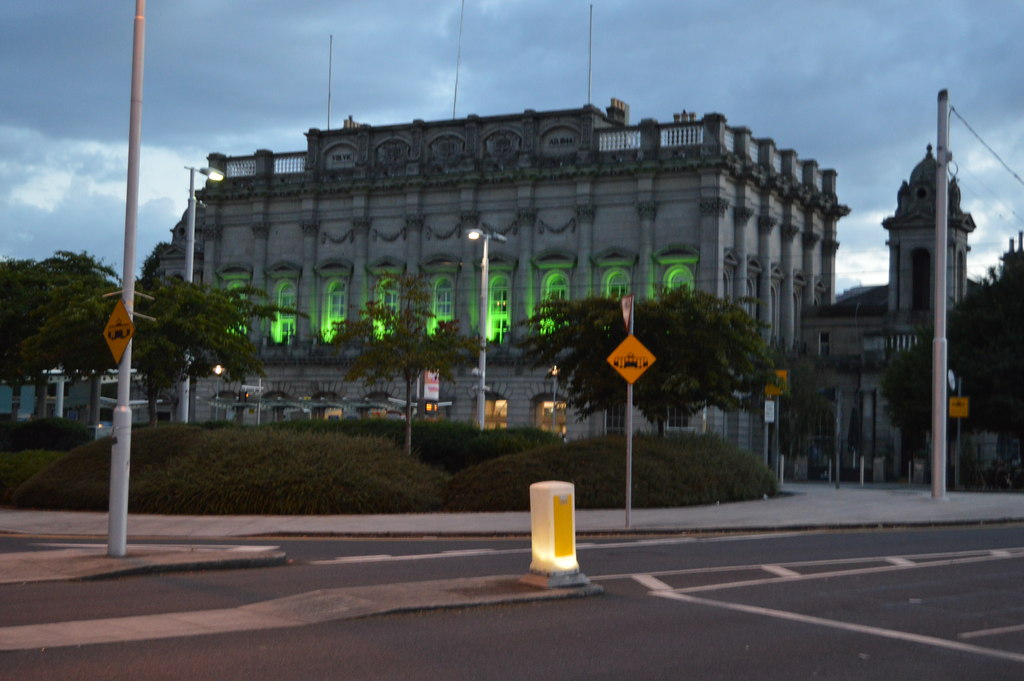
[(667, 472), (17, 467), (53, 434), (451, 445), (190, 470)]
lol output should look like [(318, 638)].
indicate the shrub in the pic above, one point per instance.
[(187, 469), (450, 445), (53, 434), (667, 472), (17, 467)]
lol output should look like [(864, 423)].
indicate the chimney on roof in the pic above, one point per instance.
[(618, 111)]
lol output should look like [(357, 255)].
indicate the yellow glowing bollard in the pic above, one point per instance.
[(553, 529)]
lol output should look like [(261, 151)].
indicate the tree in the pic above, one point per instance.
[(392, 338), (709, 352), (53, 318), (195, 328), (907, 387), (985, 349)]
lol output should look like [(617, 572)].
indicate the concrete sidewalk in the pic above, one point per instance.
[(802, 506)]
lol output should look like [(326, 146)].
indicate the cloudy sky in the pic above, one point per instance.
[(852, 85)]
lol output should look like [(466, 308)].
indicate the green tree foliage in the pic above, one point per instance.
[(806, 413), (53, 317), (393, 341), (709, 352), (987, 352), (907, 386), (194, 328)]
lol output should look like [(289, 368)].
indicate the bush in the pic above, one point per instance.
[(53, 434), (450, 445), (667, 472), (187, 469), (17, 467)]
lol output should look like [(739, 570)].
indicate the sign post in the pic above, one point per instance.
[(630, 359)]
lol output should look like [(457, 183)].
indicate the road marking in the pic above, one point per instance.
[(991, 632), (897, 560), (254, 548), (845, 626), (651, 583), (780, 571)]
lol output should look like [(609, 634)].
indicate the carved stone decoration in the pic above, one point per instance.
[(361, 226), (414, 222), (349, 236), (469, 220), (310, 228), (525, 218), (766, 223), (503, 145), (810, 239), (393, 153), (431, 233), (829, 247), (585, 213), (647, 210), (743, 214), (261, 230), (714, 206), (789, 231), (447, 150), (543, 226), (211, 232), (400, 234)]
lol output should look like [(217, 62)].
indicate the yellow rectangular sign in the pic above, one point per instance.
[(565, 535), (959, 407)]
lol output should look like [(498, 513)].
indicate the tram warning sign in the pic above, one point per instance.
[(119, 331), (631, 359)]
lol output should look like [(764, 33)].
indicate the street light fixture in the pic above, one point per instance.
[(481, 395), (190, 248)]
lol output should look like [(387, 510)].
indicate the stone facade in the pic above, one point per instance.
[(588, 205)]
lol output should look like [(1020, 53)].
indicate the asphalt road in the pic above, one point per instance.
[(918, 604)]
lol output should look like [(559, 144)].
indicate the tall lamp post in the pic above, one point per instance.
[(481, 395), (554, 399), (190, 249)]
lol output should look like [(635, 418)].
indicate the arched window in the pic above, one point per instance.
[(499, 309), (283, 327), (616, 283), (387, 296), (556, 286), (335, 304), (442, 304), (678, 276)]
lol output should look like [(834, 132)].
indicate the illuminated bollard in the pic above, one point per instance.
[(553, 529)]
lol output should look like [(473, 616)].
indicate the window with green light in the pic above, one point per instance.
[(387, 296), (616, 283), (442, 304), (499, 313), (678, 276), (237, 285), (283, 327), (335, 304), (554, 287)]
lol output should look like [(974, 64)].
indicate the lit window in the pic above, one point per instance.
[(556, 287), (678, 276), (616, 283), (335, 302), (443, 305), (499, 310), (283, 328)]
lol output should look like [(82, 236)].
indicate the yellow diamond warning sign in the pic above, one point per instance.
[(631, 359), (119, 331)]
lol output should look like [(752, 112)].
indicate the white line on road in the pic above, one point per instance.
[(845, 626)]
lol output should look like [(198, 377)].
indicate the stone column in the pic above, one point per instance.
[(741, 216), (583, 284), (787, 313), (211, 235), (413, 243), (469, 274), (360, 293), (810, 241), (643, 280), (260, 233), (765, 226), (523, 285), (829, 246), (708, 274), (308, 294)]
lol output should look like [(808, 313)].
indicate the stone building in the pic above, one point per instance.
[(587, 203), (854, 339)]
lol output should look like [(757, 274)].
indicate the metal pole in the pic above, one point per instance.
[(184, 388), (629, 435), (120, 455), (839, 434), (554, 399), (481, 395), (942, 158)]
